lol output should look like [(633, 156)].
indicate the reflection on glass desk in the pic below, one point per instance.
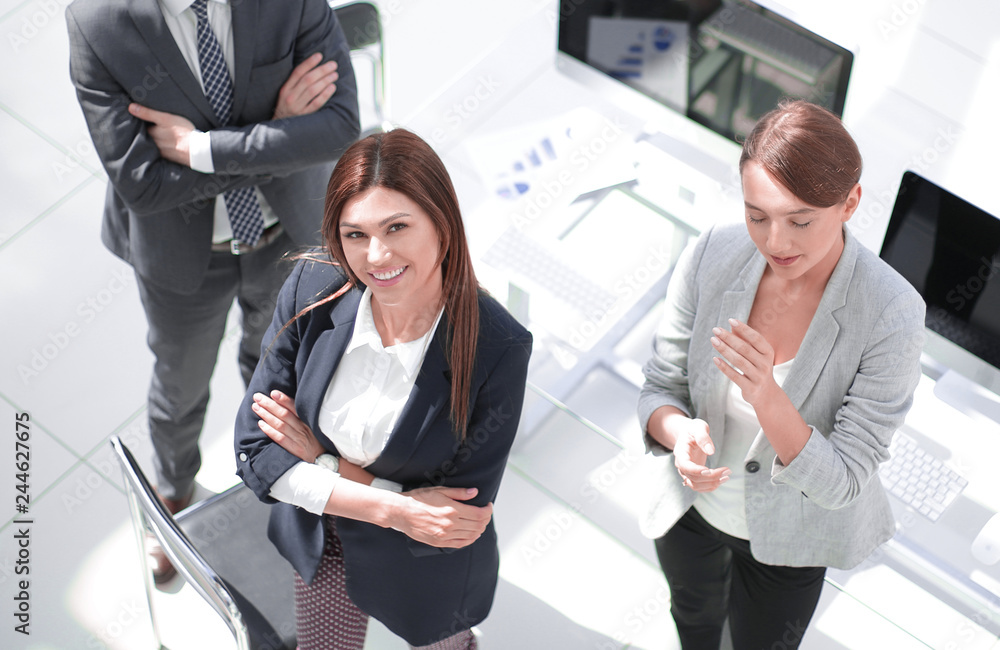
[(579, 547), (751, 58), (606, 253)]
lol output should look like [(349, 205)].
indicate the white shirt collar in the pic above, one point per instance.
[(410, 355), (175, 7)]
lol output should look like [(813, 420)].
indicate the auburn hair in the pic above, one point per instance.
[(401, 161), (807, 149)]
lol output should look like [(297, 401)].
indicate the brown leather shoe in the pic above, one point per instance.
[(163, 571)]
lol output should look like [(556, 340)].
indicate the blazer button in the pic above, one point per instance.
[(752, 467), (243, 457)]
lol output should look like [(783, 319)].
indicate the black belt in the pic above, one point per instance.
[(236, 247)]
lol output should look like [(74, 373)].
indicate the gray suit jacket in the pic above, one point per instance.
[(158, 215), (852, 381)]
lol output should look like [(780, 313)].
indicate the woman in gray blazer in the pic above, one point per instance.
[(786, 359)]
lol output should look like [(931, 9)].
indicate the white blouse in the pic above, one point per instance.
[(725, 507), (362, 404)]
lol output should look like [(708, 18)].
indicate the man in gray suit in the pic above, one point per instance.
[(218, 124)]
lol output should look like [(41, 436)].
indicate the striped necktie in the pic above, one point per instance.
[(245, 216)]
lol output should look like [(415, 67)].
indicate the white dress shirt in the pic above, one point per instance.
[(183, 26), (725, 506), (359, 412)]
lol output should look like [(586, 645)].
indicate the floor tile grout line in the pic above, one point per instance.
[(14, 10), (34, 424), (45, 213), (41, 496), (45, 136), (80, 460)]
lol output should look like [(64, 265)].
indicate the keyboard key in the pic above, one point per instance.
[(919, 479)]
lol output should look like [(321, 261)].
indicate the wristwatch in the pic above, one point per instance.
[(329, 461)]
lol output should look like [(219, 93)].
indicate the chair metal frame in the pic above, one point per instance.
[(363, 43), (150, 516)]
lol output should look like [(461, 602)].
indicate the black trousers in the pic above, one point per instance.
[(713, 576)]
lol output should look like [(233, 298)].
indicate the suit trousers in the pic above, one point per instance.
[(713, 576), (185, 333)]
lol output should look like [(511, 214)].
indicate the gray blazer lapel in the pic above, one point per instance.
[(824, 328), (736, 303), (244, 30), (149, 21), (819, 339)]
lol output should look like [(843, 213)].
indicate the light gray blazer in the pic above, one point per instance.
[(852, 381)]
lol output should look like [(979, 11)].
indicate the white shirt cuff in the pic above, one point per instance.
[(200, 151), (386, 484), (307, 486)]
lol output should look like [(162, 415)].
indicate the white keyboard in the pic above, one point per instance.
[(515, 251), (920, 479)]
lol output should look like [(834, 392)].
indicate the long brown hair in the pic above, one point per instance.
[(400, 160), (807, 149)]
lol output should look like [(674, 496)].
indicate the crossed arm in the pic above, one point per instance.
[(310, 85), (313, 121), (435, 516)]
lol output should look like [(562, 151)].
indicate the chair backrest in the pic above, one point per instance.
[(149, 514), (362, 26)]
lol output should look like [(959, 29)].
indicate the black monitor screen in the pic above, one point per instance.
[(722, 63), (949, 250)]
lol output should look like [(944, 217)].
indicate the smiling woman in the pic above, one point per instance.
[(383, 410), (391, 242)]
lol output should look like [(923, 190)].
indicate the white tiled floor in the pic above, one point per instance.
[(575, 572)]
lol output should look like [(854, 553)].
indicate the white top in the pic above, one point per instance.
[(363, 401), (725, 507), (183, 26)]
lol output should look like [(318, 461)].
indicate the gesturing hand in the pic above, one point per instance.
[(749, 353), (169, 132), (436, 516), (691, 452), (280, 422), (309, 86)]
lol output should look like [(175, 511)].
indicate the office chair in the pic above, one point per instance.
[(220, 547), (362, 27)]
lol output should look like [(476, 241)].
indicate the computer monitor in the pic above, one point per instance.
[(949, 249), (723, 63)]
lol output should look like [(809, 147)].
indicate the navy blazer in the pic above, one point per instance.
[(420, 592), (158, 215)]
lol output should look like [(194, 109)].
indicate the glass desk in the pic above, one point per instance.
[(569, 532)]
